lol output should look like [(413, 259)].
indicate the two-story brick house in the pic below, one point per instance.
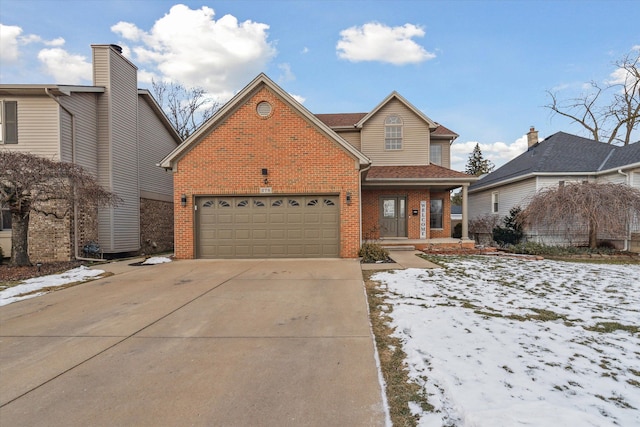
[(115, 131), (264, 177)]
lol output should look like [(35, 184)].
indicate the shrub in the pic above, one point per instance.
[(511, 233), (457, 231), (372, 252)]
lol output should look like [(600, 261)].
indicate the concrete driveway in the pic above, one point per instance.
[(224, 343)]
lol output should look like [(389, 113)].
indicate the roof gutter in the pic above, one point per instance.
[(73, 160)]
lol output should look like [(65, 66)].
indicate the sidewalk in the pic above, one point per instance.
[(403, 260)]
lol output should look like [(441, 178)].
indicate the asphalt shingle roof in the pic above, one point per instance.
[(564, 153), (413, 172)]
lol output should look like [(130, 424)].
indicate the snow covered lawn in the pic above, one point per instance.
[(41, 285), (504, 342)]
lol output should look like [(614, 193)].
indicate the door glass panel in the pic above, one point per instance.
[(389, 208), (402, 208)]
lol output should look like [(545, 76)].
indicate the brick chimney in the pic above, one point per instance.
[(532, 137)]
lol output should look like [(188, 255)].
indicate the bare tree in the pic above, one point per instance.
[(609, 113), (29, 183), (602, 208), (186, 108)]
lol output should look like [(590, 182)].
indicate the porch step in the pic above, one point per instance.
[(399, 247)]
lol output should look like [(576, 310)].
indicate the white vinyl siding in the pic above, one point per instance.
[(155, 143), (415, 138), (516, 194), (38, 126)]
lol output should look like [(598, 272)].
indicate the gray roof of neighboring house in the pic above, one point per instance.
[(563, 153)]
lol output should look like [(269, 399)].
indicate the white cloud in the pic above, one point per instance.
[(65, 67), (498, 152), (190, 47), (304, 50), (378, 42), (287, 74), (298, 98), (9, 42)]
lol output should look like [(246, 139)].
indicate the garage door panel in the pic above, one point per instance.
[(263, 227)]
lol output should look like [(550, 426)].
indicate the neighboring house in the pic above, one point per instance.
[(264, 177), (115, 131), (558, 160)]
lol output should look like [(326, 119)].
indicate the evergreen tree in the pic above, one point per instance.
[(477, 164)]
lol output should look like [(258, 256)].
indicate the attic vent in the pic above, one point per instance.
[(264, 109)]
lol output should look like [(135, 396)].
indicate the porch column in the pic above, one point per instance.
[(465, 214)]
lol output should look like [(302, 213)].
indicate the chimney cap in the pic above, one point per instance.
[(117, 48)]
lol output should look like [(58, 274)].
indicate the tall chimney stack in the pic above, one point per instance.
[(532, 137)]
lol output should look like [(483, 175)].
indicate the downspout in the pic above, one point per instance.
[(628, 239), (73, 160), (360, 198)]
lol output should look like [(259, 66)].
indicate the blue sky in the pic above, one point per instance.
[(481, 68)]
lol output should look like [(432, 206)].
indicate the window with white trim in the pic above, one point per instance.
[(393, 133), (8, 122), (435, 154), (494, 202)]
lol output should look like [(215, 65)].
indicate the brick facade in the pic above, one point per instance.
[(300, 160), (50, 238), (371, 212), (156, 226)]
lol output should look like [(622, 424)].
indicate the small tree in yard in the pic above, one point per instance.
[(511, 233), (29, 183), (600, 207)]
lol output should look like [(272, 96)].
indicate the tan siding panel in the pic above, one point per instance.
[(352, 137), (415, 141), (38, 126), (117, 149), (84, 108), (155, 143)]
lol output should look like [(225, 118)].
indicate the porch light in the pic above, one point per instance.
[(265, 173), (183, 200), (348, 197)]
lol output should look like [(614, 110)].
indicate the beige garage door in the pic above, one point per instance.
[(267, 227)]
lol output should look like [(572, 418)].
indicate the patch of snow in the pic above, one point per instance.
[(156, 260), (503, 342), (79, 274)]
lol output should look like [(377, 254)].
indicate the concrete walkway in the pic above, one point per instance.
[(403, 259), (229, 343)]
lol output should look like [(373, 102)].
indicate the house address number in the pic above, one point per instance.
[(265, 190)]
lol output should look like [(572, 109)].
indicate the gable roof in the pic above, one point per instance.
[(563, 153), (228, 109), (350, 121), (396, 95)]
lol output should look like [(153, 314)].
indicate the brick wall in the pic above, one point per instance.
[(300, 160), (50, 238), (156, 226)]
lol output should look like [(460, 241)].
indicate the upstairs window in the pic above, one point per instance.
[(393, 133), (8, 122), (435, 154)]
